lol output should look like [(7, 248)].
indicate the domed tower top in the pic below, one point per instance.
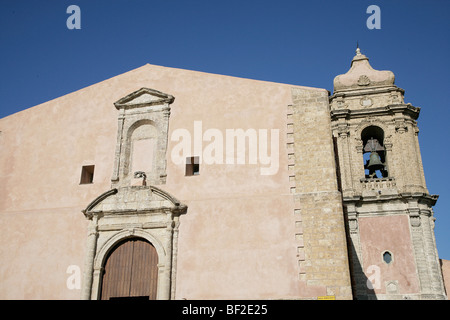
[(361, 75), (364, 87)]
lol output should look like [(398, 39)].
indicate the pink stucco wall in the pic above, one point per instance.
[(237, 238), (388, 233)]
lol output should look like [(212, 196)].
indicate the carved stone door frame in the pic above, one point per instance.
[(138, 211)]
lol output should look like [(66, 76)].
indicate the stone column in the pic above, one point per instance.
[(166, 267), (345, 161), (97, 276), (91, 248), (174, 259)]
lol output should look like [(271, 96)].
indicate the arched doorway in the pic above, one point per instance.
[(158, 214), (131, 271)]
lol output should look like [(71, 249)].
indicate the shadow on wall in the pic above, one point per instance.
[(362, 287)]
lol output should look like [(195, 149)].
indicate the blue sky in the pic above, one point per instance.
[(297, 42)]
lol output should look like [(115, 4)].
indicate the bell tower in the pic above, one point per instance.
[(388, 209)]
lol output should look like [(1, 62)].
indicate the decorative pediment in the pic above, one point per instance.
[(134, 199), (144, 97)]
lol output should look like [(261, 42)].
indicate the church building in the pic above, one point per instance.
[(163, 183)]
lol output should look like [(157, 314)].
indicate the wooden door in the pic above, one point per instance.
[(131, 271)]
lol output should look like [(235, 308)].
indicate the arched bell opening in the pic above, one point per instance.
[(374, 153)]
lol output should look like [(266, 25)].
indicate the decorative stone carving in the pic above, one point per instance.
[(366, 102), (137, 211), (391, 287), (340, 102), (142, 134), (388, 143), (353, 225), (415, 220), (363, 80), (143, 210), (141, 174), (400, 126), (343, 131), (359, 145), (395, 97)]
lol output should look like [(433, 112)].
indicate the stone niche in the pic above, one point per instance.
[(142, 132)]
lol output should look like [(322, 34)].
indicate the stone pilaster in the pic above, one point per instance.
[(91, 247)]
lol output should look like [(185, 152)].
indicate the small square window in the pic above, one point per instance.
[(87, 174), (192, 166), (387, 257)]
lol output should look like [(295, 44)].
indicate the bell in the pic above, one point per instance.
[(375, 162)]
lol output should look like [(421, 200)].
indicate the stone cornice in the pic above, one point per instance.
[(365, 91), (419, 196), (406, 109)]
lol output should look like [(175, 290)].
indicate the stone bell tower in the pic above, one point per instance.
[(388, 209)]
